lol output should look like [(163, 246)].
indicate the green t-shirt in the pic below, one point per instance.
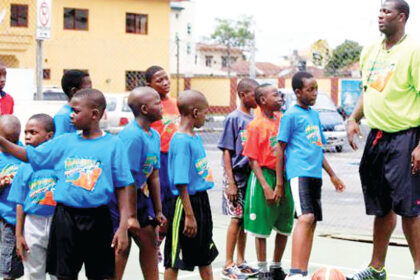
[(391, 78)]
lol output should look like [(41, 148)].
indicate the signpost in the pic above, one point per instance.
[(43, 32)]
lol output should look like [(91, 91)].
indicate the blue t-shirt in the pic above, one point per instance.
[(62, 121), (143, 151), (88, 170), (187, 164), (34, 190), (234, 137), (301, 130), (9, 166)]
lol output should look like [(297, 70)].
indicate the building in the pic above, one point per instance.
[(216, 56), (112, 40)]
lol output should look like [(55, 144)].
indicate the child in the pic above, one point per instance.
[(32, 192), (143, 147), (10, 265), (190, 231), (6, 100), (90, 167), (72, 81), (300, 146), (236, 174), (267, 206)]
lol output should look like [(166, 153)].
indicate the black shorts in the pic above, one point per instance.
[(81, 236), (385, 173), (185, 253), (306, 192)]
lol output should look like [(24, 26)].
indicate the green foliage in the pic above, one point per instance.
[(233, 33), (344, 55)]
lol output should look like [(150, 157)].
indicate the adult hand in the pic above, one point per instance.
[(352, 128), (415, 161)]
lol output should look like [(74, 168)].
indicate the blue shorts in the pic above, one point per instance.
[(10, 264)]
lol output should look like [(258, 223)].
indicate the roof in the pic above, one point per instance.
[(266, 69), (216, 48)]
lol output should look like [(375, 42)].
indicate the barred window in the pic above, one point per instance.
[(19, 15), (134, 79), (136, 23), (76, 19)]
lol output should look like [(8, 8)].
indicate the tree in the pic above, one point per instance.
[(233, 33), (343, 55)]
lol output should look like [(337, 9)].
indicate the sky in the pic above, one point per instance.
[(284, 25)]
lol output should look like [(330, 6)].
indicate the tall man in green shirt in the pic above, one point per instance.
[(390, 166)]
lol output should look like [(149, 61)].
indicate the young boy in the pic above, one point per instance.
[(300, 146), (90, 167), (236, 174), (267, 206), (32, 192), (190, 232), (72, 81), (143, 147), (6, 100), (10, 265)]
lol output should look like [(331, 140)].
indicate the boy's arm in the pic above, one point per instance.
[(21, 246), (232, 189), (13, 149), (190, 224), (268, 192), (338, 184), (154, 187), (279, 190)]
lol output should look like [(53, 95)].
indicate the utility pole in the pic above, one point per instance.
[(39, 75), (252, 67)]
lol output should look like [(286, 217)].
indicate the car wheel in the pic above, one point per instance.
[(338, 148)]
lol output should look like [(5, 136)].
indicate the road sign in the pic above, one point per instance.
[(43, 19)]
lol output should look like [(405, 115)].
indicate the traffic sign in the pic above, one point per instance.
[(43, 19)]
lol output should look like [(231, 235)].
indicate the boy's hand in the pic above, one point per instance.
[(21, 247), (338, 184), (278, 192), (415, 161), (161, 219), (120, 241), (232, 192), (133, 227), (269, 195), (190, 227)]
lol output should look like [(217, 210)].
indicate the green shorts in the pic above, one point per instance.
[(260, 218)]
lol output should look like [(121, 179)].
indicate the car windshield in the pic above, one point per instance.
[(324, 103), (111, 104), (54, 95)]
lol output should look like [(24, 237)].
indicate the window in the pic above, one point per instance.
[(76, 19), (189, 28), (46, 74), (209, 59), (136, 23), (134, 79), (188, 48), (224, 61), (19, 15)]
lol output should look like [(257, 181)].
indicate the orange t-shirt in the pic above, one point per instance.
[(166, 127), (258, 113), (261, 140)]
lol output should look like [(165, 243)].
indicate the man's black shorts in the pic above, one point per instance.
[(81, 236), (385, 171), (185, 253)]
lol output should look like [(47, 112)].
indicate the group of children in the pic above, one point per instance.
[(75, 195)]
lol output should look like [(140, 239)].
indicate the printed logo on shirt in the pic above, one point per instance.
[(242, 135), (82, 172), (8, 173), (149, 164), (273, 141), (203, 170), (380, 75), (41, 190), (313, 134)]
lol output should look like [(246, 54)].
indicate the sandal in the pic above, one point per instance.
[(248, 270), (232, 272)]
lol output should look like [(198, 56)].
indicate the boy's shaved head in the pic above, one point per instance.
[(46, 120), (260, 91), (140, 96), (10, 127), (93, 98), (247, 85), (189, 100)]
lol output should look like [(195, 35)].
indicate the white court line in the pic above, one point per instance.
[(312, 264)]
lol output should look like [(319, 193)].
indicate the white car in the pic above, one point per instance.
[(117, 111)]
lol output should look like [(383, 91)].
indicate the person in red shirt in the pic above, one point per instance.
[(267, 207), (6, 100)]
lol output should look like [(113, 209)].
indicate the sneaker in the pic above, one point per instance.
[(247, 269), (232, 272), (416, 275), (265, 275), (369, 273), (277, 273), (296, 276)]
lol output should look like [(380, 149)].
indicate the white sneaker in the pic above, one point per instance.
[(416, 275), (297, 276)]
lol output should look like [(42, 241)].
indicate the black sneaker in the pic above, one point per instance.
[(277, 273), (265, 275)]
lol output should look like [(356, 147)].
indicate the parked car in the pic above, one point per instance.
[(118, 112), (331, 121)]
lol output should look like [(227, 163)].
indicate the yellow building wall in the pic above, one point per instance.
[(324, 85), (217, 90)]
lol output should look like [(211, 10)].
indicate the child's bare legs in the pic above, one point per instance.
[(260, 245), (171, 274), (232, 239), (121, 261), (206, 272), (302, 241), (280, 246), (241, 244), (148, 253)]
